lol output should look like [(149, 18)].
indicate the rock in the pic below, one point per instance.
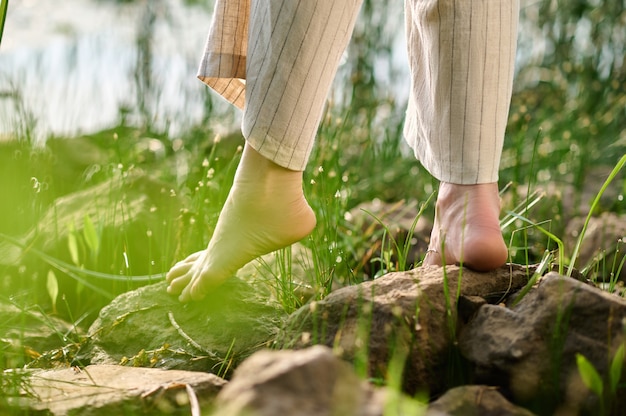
[(27, 333), (147, 327), (474, 401), (400, 316), (602, 244), (307, 382), (310, 382), (113, 390), (530, 350)]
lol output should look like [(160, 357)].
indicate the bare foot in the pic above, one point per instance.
[(265, 211), (467, 227)]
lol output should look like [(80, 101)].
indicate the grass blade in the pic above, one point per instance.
[(594, 204), (589, 375), (541, 269), (91, 235), (4, 6), (550, 235), (52, 284), (66, 267), (616, 369)]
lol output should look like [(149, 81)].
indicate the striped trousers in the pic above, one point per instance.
[(276, 60)]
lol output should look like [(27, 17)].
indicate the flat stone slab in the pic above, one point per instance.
[(148, 327), (112, 389)]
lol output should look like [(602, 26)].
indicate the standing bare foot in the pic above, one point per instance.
[(265, 211), (467, 227)]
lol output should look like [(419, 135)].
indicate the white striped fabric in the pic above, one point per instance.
[(461, 55)]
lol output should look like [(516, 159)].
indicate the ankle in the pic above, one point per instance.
[(453, 196), (257, 168)]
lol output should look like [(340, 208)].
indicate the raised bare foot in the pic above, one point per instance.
[(467, 227), (265, 211)]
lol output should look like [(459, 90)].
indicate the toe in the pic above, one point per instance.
[(185, 295), (177, 285), (182, 267), (199, 289), (178, 270)]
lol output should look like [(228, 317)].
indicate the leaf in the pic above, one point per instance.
[(617, 364), (91, 235), (52, 284), (80, 286), (4, 5), (72, 244), (589, 375)]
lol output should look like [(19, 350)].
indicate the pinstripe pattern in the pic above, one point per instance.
[(461, 54), (291, 66)]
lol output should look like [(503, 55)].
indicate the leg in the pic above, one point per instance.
[(294, 48), (265, 211), (461, 55)]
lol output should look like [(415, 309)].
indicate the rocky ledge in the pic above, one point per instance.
[(434, 341)]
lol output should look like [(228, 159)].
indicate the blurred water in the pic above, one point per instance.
[(72, 65)]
